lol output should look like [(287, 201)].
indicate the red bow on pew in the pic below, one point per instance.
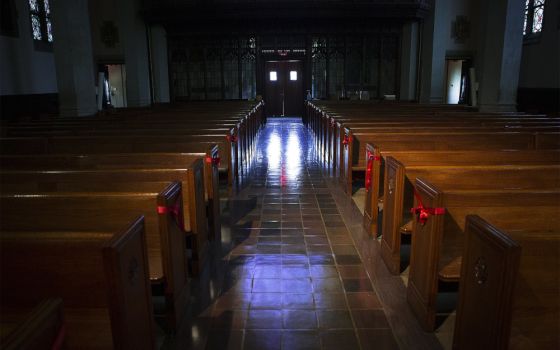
[(346, 140), (422, 213), (369, 168), (60, 337), (231, 138), (213, 160), (175, 211)]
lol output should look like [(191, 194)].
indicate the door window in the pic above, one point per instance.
[(293, 75)]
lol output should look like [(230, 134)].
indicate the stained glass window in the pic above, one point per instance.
[(36, 26), (534, 13), (41, 24)]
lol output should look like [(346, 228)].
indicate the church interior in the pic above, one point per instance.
[(279, 174)]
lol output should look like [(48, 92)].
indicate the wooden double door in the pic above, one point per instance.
[(284, 88)]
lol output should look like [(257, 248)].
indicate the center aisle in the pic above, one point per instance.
[(290, 276)]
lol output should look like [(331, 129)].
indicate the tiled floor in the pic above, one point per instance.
[(289, 275)]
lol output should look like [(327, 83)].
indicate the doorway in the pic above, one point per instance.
[(113, 85), (458, 82), (284, 88)]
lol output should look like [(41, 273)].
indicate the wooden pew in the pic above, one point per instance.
[(354, 147), (330, 121), (399, 187), (376, 165), (125, 144), (335, 130), (126, 162), (509, 289), (119, 180), (104, 211), (39, 328), (437, 237), (101, 276)]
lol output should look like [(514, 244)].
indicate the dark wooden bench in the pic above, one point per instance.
[(125, 144), (119, 180), (509, 289), (355, 146), (101, 276), (40, 327), (125, 162), (438, 237), (399, 191), (376, 165), (332, 134), (106, 211)]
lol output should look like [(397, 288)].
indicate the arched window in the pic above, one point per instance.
[(534, 13), (41, 24)]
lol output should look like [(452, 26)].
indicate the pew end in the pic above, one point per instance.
[(174, 245), (505, 278), (42, 328), (116, 311)]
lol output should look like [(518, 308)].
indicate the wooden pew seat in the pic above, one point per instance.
[(438, 242), (86, 211), (116, 310), (24, 328), (510, 283)]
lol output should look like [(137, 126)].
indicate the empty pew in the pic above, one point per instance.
[(39, 328), (119, 180), (126, 162), (399, 191), (125, 144), (509, 288), (354, 147), (336, 131), (438, 233), (103, 211), (101, 276)]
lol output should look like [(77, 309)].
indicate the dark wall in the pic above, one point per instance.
[(539, 100), (28, 106)]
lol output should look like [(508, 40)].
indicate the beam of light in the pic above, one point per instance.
[(293, 156), (274, 151)]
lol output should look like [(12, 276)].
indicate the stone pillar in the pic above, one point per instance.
[(409, 59), (500, 46), (74, 58), (434, 39), (136, 54), (160, 72)]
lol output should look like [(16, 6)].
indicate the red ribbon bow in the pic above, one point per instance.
[(346, 140), (60, 337), (333, 123), (422, 213), (231, 138), (369, 168), (213, 160), (175, 211)]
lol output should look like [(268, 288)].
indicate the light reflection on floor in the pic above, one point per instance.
[(287, 275)]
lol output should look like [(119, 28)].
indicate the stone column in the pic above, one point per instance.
[(409, 58), (434, 40), (136, 54), (160, 72), (73, 58), (500, 46)]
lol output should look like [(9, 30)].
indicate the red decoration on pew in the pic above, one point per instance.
[(422, 213), (369, 167), (60, 337), (213, 160), (346, 140), (333, 123), (175, 211), (231, 138)]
